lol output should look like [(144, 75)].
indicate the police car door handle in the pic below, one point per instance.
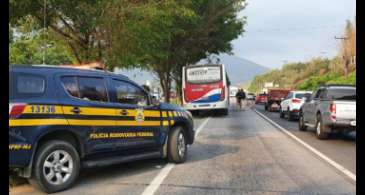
[(76, 110), (124, 112)]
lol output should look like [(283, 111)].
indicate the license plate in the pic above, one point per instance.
[(275, 105), (353, 123)]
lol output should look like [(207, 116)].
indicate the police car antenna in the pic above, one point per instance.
[(44, 31)]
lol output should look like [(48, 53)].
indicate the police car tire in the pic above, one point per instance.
[(172, 147), (39, 181)]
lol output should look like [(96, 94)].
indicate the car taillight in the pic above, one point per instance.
[(15, 110), (333, 111), (223, 94), (295, 100)]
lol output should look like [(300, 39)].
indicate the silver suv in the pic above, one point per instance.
[(330, 108)]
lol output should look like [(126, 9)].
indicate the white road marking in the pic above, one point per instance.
[(318, 153), (201, 127), (156, 182)]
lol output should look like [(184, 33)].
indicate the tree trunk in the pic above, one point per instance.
[(167, 88), (164, 81), (179, 89)]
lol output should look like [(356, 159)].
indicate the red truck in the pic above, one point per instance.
[(261, 98), (274, 98)]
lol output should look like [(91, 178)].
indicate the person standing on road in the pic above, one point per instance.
[(240, 96)]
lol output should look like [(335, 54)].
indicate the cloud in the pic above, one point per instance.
[(292, 30)]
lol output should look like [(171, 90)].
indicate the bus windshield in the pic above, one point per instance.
[(203, 74)]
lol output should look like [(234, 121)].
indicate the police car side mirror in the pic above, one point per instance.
[(154, 101)]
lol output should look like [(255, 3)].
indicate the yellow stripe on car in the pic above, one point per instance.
[(77, 122), (44, 109), (165, 123), (36, 122), (164, 114), (91, 111), (151, 113)]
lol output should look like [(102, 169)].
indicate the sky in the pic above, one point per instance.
[(285, 31)]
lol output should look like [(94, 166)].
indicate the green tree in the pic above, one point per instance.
[(160, 35), (116, 32), (74, 21), (27, 47), (205, 27)]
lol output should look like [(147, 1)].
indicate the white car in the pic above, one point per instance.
[(291, 104), (250, 96)]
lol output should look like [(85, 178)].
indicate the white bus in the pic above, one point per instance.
[(205, 87)]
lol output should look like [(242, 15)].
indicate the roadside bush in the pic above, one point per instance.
[(351, 79), (315, 81), (330, 78)]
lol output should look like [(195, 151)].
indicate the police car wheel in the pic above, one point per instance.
[(56, 166), (177, 148)]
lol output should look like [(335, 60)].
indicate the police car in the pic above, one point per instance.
[(64, 118)]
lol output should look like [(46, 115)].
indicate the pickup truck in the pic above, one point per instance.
[(261, 98), (274, 98), (331, 108)]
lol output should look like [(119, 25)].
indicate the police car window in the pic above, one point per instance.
[(128, 93), (30, 84), (92, 89), (70, 84)]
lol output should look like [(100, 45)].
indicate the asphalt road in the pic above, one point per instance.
[(339, 147), (237, 154)]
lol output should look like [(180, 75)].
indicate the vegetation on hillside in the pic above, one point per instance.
[(317, 71)]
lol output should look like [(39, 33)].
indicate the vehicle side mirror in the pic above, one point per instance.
[(155, 101), (307, 99)]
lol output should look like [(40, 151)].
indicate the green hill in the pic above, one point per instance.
[(306, 75)]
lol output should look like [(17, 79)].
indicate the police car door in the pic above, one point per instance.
[(138, 122), (89, 111)]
